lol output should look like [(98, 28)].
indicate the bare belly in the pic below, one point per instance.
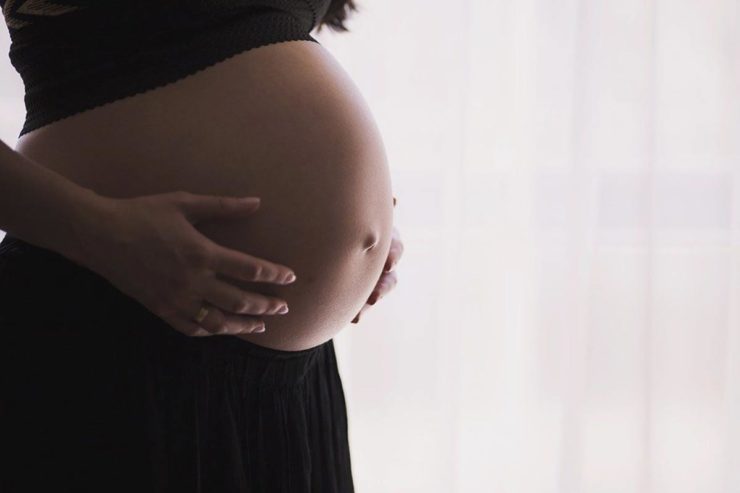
[(282, 122)]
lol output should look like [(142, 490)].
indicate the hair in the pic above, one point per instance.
[(336, 15)]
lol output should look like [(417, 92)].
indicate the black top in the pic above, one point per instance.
[(74, 55)]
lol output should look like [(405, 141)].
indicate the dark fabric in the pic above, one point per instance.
[(74, 55), (99, 395)]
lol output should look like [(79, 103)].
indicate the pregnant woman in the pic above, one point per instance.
[(187, 170)]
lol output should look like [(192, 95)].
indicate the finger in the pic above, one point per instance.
[(234, 300), (243, 324), (359, 315), (212, 322), (394, 254), (218, 323), (199, 207), (188, 327), (386, 283), (243, 266)]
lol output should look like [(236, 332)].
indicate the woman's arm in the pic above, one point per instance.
[(147, 246), (43, 207)]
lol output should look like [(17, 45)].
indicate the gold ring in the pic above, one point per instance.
[(201, 314)]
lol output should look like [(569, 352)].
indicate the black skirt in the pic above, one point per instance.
[(97, 394)]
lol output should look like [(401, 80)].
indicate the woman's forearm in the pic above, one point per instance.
[(43, 207)]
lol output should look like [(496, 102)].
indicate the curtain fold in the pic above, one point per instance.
[(566, 317)]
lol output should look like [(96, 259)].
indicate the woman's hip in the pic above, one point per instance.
[(94, 388)]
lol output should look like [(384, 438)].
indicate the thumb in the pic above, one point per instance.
[(198, 207)]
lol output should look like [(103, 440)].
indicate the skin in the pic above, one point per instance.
[(281, 122), (389, 277)]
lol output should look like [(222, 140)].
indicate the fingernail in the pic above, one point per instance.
[(283, 309), (259, 329), (291, 277)]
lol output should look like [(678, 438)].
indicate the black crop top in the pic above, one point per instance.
[(73, 55)]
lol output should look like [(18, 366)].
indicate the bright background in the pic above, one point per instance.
[(567, 318)]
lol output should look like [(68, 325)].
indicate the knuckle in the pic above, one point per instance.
[(255, 271), (198, 332), (267, 307), (177, 290), (219, 322), (180, 196), (197, 256), (249, 323), (189, 285), (174, 287), (240, 306)]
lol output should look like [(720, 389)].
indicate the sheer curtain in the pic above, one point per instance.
[(567, 318), (567, 315)]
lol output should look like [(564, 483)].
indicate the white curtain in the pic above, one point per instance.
[(567, 318)]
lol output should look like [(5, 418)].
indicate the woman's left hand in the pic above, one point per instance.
[(388, 278)]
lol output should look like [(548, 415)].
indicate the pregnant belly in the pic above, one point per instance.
[(282, 122)]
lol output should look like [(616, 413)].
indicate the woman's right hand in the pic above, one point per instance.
[(148, 248)]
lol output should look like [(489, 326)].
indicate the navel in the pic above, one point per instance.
[(370, 241)]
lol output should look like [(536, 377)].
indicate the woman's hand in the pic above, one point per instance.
[(388, 278), (148, 248)]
